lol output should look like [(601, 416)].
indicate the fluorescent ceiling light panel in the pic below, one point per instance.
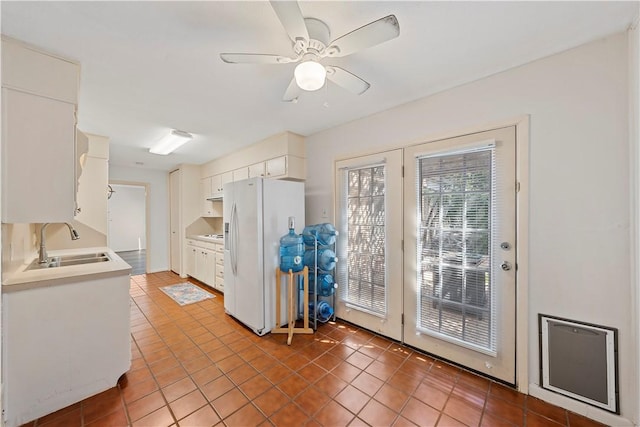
[(171, 142)]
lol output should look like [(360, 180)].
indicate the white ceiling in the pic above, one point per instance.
[(151, 66)]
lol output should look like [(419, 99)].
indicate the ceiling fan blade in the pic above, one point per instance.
[(345, 79), (292, 93), (290, 16), (255, 58), (373, 33)]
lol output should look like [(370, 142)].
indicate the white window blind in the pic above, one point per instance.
[(365, 271), (456, 199)]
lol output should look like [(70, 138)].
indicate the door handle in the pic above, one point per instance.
[(506, 266)]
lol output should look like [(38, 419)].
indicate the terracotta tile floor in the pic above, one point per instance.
[(196, 366)]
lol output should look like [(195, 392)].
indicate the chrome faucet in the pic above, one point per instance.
[(43, 258)]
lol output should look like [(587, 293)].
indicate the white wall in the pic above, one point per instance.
[(579, 230), (158, 238), (634, 142), (127, 218)]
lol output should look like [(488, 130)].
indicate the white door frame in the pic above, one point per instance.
[(522, 227), (493, 354), (146, 213)]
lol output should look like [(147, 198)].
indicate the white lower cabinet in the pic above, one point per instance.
[(205, 262), (220, 269), (191, 260), (206, 266), (62, 342)]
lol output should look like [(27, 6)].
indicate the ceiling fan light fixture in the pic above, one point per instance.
[(171, 142), (310, 75)]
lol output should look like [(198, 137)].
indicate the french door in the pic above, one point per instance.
[(460, 261), (370, 242), (437, 246)]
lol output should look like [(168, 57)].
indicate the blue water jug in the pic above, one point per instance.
[(325, 233), (326, 259), (324, 311), (326, 287), (291, 249)]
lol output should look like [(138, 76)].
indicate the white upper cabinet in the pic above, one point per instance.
[(39, 102), (256, 170), (31, 70), (240, 174), (38, 159), (93, 182), (210, 208), (205, 188), (280, 156), (218, 182), (276, 167)]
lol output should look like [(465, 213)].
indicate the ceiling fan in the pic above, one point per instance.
[(311, 42)]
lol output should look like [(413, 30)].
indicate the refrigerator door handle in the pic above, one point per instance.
[(234, 240), (231, 230)]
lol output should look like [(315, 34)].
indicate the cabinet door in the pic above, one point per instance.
[(199, 264), (92, 202), (216, 184), (205, 187), (191, 260), (205, 193), (205, 266), (38, 158), (240, 174), (225, 178), (209, 268), (256, 170), (276, 167)]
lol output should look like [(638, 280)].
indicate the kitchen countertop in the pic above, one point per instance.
[(22, 279), (206, 239)]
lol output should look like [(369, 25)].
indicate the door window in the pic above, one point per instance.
[(366, 273), (455, 205)]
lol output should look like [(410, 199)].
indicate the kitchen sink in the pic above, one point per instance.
[(82, 256), (68, 260)]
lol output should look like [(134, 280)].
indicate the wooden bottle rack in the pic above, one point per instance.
[(291, 306)]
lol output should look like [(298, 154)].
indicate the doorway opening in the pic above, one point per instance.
[(127, 223)]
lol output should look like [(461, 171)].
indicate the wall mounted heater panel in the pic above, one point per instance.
[(579, 360)]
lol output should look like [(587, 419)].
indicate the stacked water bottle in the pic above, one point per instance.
[(320, 257)]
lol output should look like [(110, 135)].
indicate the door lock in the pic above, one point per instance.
[(506, 266)]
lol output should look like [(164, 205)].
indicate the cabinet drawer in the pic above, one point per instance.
[(220, 284), (203, 245)]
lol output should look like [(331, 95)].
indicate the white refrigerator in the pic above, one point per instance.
[(256, 213)]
